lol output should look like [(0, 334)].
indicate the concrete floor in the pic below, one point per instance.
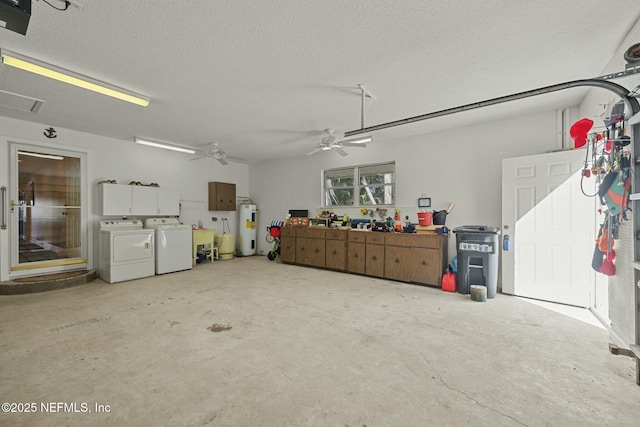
[(251, 342)]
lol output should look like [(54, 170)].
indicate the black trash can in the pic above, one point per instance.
[(478, 253)]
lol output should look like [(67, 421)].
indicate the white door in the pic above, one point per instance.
[(47, 210), (550, 224)]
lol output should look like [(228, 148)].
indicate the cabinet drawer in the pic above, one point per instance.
[(332, 234), (357, 236), (375, 238), (409, 240), (433, 242), (311, 233), (288, 231)]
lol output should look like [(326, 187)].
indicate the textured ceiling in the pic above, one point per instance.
[(264, 78)]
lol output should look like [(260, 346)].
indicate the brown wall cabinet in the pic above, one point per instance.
[(222, 196), (411, 258)]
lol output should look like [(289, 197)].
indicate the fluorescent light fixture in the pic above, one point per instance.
[(362, 140), (65, 76), (42, 156), (165, 145)]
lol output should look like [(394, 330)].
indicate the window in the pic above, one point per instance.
[(360, 185)]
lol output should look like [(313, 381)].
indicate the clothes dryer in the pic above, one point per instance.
[(125, 251)]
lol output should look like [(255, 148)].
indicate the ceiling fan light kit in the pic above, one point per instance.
[(165, 145), (60, 74), (331, 142)]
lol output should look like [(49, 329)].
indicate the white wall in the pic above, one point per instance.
[(125, 161), (461, 165)]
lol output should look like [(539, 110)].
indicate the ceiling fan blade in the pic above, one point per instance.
[(314, 151), (198, 158), (340, 151), (222, 160), (236, 159)]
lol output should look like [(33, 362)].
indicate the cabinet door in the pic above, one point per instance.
[(357, 258), (398, 263), (427, 267), (168, 201), (115, 199), (336, 254), (144, 200), (227, 193), (374, 266), (310, 251), (222, 196), (288, 249)]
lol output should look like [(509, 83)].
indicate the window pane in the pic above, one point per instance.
[(376, 195), (338, 178), (339, 197), (377, 174)]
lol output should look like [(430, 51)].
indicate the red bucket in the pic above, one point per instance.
[(425, 218)]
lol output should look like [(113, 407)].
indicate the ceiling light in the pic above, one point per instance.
[(43, 156), (60, 74), (362, 140), (164, 145)]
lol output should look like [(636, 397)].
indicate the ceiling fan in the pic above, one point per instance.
[(216, 153), (330, 142)]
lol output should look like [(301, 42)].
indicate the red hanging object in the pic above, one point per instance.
[(608, 268), (579, 131)]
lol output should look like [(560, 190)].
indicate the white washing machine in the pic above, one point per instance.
[(125, 251), (173, 244)]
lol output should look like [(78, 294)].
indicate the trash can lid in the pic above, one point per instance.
[(478, 229)]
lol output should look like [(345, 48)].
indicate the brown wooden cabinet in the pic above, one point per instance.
[(336, 249), (356, 257), (417, 259), (410, 258), (288, 245), (222, 196), (310, 247), (374, 265)]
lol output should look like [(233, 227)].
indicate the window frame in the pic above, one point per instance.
[(357, 185)]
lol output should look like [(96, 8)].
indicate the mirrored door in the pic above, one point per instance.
[(47, 202)]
